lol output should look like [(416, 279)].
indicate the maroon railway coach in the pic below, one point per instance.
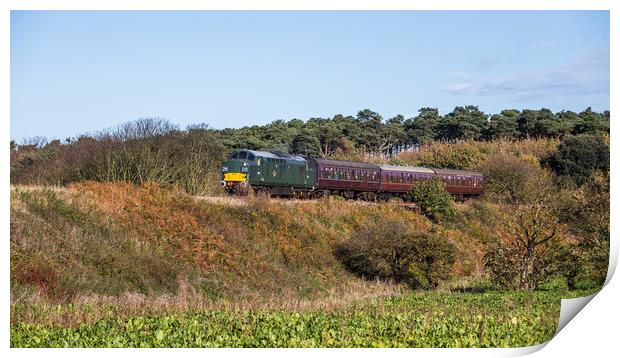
[(396, 178), (461, 182), (349, 179)]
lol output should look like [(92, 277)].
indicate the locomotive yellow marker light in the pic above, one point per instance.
[(235, 177)]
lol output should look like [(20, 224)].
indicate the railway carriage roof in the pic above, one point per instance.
[(457, 172), (406, 169), (342, 163)]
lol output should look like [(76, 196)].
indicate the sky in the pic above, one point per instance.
[(75, 72)]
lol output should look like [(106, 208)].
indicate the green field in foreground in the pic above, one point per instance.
[(492, 319)]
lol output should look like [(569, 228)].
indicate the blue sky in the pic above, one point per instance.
[(74, 72)]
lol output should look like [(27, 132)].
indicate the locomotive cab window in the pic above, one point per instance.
[(235, 155), (243, 155)]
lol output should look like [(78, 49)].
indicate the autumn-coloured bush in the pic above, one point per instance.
[(511, 180), (471, 154), (146, 150)]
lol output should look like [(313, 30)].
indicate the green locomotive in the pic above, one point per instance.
[(274, 173)]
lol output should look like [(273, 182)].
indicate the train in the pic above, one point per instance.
[(285, 175)]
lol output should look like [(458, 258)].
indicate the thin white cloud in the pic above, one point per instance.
[(579, 76)]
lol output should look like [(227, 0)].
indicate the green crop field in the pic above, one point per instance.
[(435, 319)]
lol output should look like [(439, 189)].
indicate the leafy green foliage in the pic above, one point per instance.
[(579, 156), (433, 199), (422, 320)]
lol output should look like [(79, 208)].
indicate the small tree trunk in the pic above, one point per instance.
[(524, 283)]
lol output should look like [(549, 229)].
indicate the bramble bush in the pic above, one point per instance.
[(391, 251)]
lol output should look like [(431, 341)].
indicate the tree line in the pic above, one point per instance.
[(153, 149), (369, 132)]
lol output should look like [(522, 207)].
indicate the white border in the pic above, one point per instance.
[(592, 331)]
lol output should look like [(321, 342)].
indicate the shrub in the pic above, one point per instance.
[(527, 250), (579, 156), (586, 212), (390, 251), (433, 199)]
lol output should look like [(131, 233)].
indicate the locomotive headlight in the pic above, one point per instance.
[(222, 183), (224, 169)]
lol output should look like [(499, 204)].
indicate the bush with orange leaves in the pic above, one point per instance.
[(471, 154)]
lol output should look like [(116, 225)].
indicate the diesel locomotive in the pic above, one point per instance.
[(281, 174)]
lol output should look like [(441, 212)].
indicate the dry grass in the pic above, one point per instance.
[(87, 309), (100, 249), (110, 241)]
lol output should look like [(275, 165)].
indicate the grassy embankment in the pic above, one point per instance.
[(118, 264)]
